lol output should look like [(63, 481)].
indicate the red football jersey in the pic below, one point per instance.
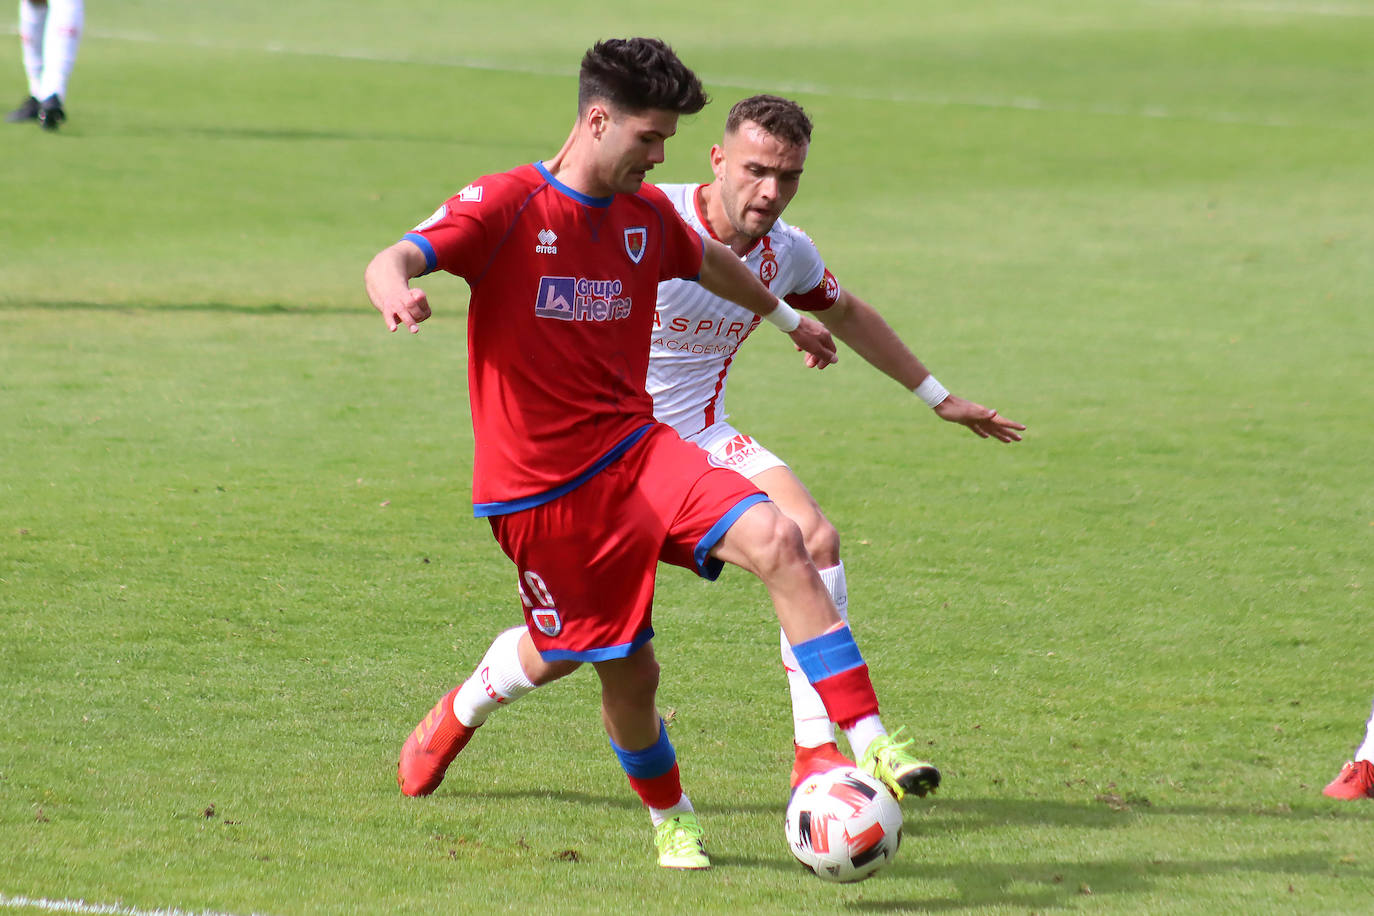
[(563, 294)]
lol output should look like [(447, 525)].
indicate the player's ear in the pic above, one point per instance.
[(597, 119), (718, 160)]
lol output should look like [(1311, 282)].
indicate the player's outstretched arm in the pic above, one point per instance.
[(860, 326), (726, 275), (387, 279)]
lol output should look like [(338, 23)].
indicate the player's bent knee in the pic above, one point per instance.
[(822, 541), (773, 543)]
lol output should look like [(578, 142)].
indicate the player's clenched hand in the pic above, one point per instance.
[(813, 339), (409, 308), (983, 421)]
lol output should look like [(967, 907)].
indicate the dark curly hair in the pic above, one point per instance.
[(782, 118), (638, 74)]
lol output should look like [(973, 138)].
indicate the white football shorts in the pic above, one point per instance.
[(732, 449)]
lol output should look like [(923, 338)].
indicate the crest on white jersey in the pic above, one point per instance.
[(437, 215), (768, 267), (472, 194), (636, 239)]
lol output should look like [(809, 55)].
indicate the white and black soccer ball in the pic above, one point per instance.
[(843, 824)]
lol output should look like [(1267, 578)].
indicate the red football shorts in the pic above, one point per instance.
[(586, 561)]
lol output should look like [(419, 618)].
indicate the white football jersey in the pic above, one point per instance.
[(696, 333)]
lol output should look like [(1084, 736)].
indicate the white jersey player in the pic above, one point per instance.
[(757, 167), (696, 333)]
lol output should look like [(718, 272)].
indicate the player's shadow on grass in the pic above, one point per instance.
[(1033, 885), (1062, 884), (1041, 885), (1107, 811)]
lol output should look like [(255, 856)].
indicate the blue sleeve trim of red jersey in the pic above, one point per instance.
[(623, 650), (482, 510), (422, 243), (709, 567), (578, 196)]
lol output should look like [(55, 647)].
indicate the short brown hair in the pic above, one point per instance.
[(783, 118), (638, 74)]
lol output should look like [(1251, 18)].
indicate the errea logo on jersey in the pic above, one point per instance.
[(471, 194), (546, 242), (580, 299)]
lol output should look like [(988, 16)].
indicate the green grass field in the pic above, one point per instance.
[(237, 560)]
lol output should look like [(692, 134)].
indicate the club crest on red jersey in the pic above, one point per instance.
[(547, 621), (636, 239)]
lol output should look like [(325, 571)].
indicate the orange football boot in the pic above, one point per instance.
[(431, 748), (1355, 781)]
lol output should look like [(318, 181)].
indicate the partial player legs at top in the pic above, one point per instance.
[(50, 33)]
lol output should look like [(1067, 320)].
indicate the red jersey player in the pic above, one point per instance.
[(584, 491), (757, 170)]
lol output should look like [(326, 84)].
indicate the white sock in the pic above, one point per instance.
[(811, 725), (61, 38), (498, 680), (862, 733), (683, 806), (1366, 751), (31, 18)]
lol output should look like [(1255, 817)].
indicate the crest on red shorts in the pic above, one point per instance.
[(635, 240), (547, 621)]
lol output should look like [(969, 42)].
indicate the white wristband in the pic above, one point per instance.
[(931, 391), (785, 317)]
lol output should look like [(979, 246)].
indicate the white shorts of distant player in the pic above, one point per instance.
[(732, 449)]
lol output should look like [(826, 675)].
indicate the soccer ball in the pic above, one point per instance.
[(843, 824)]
